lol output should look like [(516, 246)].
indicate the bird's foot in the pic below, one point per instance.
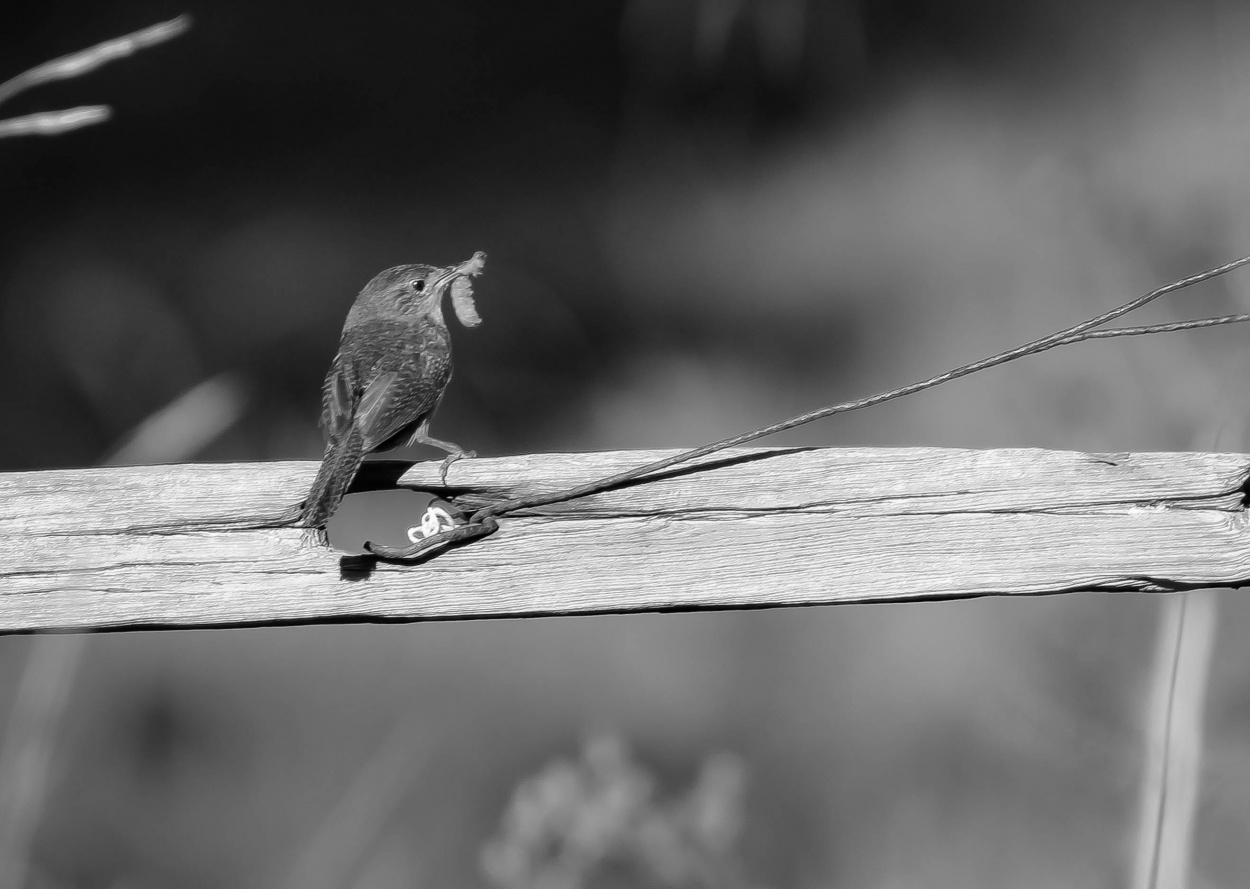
[(452, 458)]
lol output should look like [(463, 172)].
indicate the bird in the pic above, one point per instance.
[(389, 375)]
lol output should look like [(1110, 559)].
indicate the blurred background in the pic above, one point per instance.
[(702, 216)]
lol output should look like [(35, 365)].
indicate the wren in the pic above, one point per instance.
[(392, 367)]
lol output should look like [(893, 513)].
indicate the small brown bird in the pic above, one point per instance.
[(393, 364)]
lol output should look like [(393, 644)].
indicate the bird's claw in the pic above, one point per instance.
[(450, 459)]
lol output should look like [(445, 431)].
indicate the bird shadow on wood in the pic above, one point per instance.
[(357, 567), (380, 475)]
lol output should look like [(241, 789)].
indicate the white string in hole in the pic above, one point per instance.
[(436, 519)]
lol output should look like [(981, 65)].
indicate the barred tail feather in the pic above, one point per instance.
[(338, 467)]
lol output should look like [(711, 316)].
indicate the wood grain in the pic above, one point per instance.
[(206, 545)]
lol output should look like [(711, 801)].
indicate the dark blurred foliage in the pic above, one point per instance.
[(701, 216)]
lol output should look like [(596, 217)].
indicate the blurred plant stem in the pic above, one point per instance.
[(1171, 778), (1174, 740), (335, 851), (29, 741), (185, 426), (176, 432), (28, 747), (53, 123)]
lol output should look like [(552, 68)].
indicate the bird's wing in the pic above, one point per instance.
[(405, 381), (377, 408), (337, 401), (399, 397)]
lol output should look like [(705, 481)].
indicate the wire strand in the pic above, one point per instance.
[(1074, 334), (483, 522)]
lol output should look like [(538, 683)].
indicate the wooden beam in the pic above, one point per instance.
[(206, 545)]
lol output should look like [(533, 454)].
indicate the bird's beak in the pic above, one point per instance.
[(471, 268)]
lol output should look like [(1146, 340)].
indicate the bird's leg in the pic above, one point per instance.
[(454, 451)]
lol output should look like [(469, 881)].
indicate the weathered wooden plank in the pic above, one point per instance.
[(203, 545)]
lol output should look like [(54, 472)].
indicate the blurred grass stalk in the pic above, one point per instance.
[(29, 741), (1172, 771), (26, 750), (52, 123), (1173, 761), (184, 427), (177, 431), (337, 850)]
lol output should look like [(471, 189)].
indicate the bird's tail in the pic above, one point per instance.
[(338, 467)]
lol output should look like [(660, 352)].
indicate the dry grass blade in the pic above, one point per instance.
[(1171, 775), (87, 60), (29, 743), (185, 426), (54, 123), (339, 845), (1170, 785)]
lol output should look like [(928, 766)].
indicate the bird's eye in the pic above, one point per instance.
[(417, 284)]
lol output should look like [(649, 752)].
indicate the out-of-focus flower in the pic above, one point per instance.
[(597, 821)]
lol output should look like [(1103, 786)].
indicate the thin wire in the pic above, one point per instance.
[(1196, 324), (482, 523), (1074, 334)]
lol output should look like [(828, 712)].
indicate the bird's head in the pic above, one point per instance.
[(418, 289)]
